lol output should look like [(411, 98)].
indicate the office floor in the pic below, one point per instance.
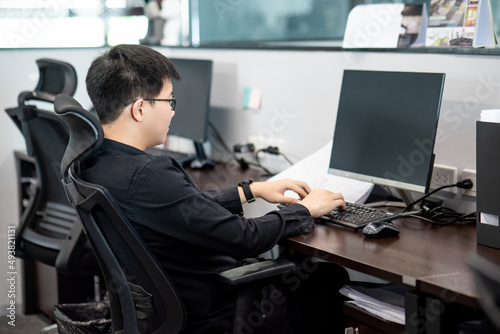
[(26, 324)]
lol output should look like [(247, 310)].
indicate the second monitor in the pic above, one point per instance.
[(192, 93)]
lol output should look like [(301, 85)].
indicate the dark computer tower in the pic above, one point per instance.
[(488, 183)]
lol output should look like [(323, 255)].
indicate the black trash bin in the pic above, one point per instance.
[(84, 318)]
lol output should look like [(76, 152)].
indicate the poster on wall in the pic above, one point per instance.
[(460, 23)]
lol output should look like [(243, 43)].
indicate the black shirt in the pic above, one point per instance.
[(194, 234)]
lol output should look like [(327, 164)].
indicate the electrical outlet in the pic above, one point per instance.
[(261, 143), (442, 176), (469, 174)]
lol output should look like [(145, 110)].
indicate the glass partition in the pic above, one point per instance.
[(183, 23)]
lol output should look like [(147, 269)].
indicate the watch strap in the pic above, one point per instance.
[(245, 185)]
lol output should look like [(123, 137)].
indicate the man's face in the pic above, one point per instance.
[(160, 115)]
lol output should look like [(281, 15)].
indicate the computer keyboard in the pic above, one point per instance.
[(356, 216)]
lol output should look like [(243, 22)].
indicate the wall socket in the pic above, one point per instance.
[(274, 163), (260, 143), (442, 176), (469, 174)]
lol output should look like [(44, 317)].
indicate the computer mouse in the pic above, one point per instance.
[(377, 230)]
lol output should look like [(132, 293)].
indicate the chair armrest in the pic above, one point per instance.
[(256, 271)]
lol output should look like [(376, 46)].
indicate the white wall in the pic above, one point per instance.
[(300, 97), (305, 86)]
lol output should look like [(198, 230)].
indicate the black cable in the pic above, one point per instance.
[(274, 151), (464, 184), (220, 140), (442, 215), (286, 158), (242, 162), (466, 217), (268, 172)]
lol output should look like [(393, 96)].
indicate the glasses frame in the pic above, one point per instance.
[(172, 102)]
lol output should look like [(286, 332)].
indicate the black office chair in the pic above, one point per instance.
[(487, 279), (142, 297), (49, 230)]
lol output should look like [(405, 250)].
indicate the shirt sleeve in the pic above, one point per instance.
[(164, 200), (228, 198)]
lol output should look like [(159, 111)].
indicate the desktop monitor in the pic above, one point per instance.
[(192, 93), (386, 126)]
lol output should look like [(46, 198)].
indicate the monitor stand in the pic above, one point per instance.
[(200, 161), (403, 203)]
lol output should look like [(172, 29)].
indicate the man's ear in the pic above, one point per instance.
[(136, 111)]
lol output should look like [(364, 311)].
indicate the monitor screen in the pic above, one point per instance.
[(386, 126), (192, 93)]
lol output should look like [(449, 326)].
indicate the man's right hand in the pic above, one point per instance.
[(322, 201)]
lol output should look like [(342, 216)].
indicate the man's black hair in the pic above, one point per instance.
[(124, 73)]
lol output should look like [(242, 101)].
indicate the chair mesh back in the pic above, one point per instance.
[(49, 230), (49, 140), (141, 295)]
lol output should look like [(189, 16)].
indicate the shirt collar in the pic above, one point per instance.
[(112, 146)]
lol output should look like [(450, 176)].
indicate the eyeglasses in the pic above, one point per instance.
[(172, 102)]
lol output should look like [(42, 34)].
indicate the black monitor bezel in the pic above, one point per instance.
[(180, 129), (383, 181)]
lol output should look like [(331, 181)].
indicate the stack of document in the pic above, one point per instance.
[(381, 302)]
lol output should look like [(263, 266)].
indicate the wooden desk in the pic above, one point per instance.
[(431, 259), (223, 175)]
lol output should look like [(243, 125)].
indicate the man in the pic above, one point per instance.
[(195, 235)]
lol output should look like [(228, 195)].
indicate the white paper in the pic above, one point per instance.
[(314, 171), (488, 219), (385, 304), (490, 115)]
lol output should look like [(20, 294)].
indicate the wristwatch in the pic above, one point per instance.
[(246, 190)]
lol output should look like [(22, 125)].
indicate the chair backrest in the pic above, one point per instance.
[(142, 297), (49, 230), (487, 279), (55, 77)]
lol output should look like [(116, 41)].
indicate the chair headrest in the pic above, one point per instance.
[(85, 131), (55, 77)]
